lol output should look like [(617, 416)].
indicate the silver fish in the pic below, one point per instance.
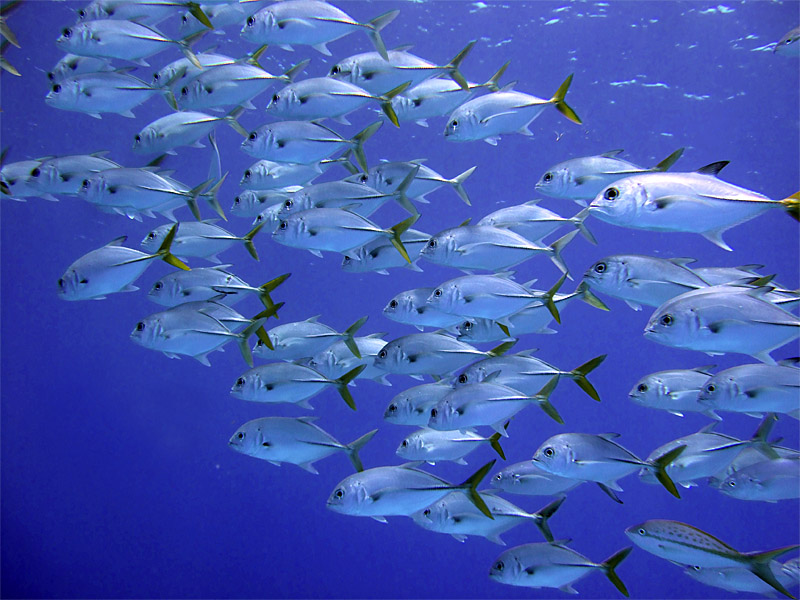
[(534, 222), (298, 441), (201, 239), (251, 203), (527, 479), (675, 391), (339, 358), (269, 175), (65, 174), (739, 579), (754, 389), (789, 44), (308, 338), (434, 446), (766, 481), (413, 406), (506, 111), (17, 183), (184, 128), (379, 255), (71, 65), (411, 307), (177, 73)]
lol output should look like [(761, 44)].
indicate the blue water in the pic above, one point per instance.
[(116, 476)]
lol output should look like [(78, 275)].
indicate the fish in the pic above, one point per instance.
[(270, 175), (304, 142), (788, 45), (527, 479), (754, 389), (17, 183), (457, 515), (311, 23), (705, 453), (125, 40), (283, 382), (685, 544), (526, 373), (112, 268), (534, 222), (104, 92), (413, 405), (64, 175), (210, 282), (149, 12), (336, 230), (765, 481), (438, 97), (251, 203), (598, 458), (643, 280), (697, 202), (411, 308), (432, 353), (399, 490), (675, 391), (319, 98), (739, 579), (488, 404), (295, 440), (489, 248), (221, 15), (722, 319), (750, 456), (192, 331), (378, 74), (581, 179), (184, 128), (308, 338), (727, 275), (379, 255), (339, 358), (71, 65), (506, 111), (386, 177), (179, 72), (433, 446), (202, 239), (553, 565)]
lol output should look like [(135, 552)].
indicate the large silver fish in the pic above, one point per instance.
[(201, 239), (527, 479), (675, 391), (65, 174), (685, 544), (185, 128), (765, 481), (304, 339), (297, 440), (434, 446), (488, 117)]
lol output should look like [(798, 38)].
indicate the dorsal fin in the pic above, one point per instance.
[(713, 168), (117, 241), (612, 153)]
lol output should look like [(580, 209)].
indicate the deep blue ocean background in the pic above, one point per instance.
[(116, 476)]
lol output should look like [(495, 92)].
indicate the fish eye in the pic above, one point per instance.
[(432, 243), (696, 567), (548, 177), (339, 493), (392, 407), (184, 91), (467, 325), (404, 444), (283, 225), (85, 184), (265, 444), (61, 283), (67, 32), (335, 70), (437, 292), (240, 436), (156, 76), (82, 14), (463, 378), (642, 531), (710, 388), (51, 76), (151, 235), (36, 172), (600, 267), (251, 21), (666, 320), (427, 512), (288, 204), (393, 304), (140, 326), (240, 382), (56, 88), (236, 201), (247, 174), (158, 285), (611, 193), (642, 387), (454, 123), (184, 19), (382, 354), (275, 97), (137, 138), (434, 412), (732, 483), (252, 136), (549, 452), (364, 178), (499, 566)]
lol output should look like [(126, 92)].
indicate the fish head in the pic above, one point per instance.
[(270, 215), (98, 9), (152, 241), (260, 141), (462, 126), (610, 275), (506, 479), (789, 45), (556, 183), (440, 248), (173, 73), (262, 350), (473, 374), (619, 202), (146, 139), (404, 106), (194, 95), (326, 363), (658, 536), (249, 386), (357, 261), (435, 517), (400, 307), (555, 455), (673, 325), (148, 332), (291, 231), (444, 416), (507, 568), (45, 176), (64, 94), (347, 70), (284, 102), (350, 497), (260, 174), (248, 439), (412, 448), (166, 291), (477, 330), (77, 37), (741, 485), (244, 203), (718, 390), (296, 202), (649, 390), (259, 25), (392, 358), (446, 298), (73, 284)]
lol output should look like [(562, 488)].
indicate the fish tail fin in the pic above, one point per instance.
[(169, 97), (759, 439), (374, 28), (252, 57), (458, 185), (494, 442), (587, 296), (542, 397), (265, 289), (578, 375), (609, 566), (792, 205), (542, 515), (660, 465), (400, 192), (164, 253), (344, 380), (760, 566), (386, 102), (579, 221), (452, 67), (271, 311), (242, 339), (193, 195), (231, 120), (186, 45), (501, 349), (211, 197), (556, 248), (345, 161), (665, 164), (248, 239), (470, 487), (290, 74), (197, 12), (492, 83), (397, 231), (353, 447), (549, 298), (358, 141), (349, 341), (215, 165), (561, 106)]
